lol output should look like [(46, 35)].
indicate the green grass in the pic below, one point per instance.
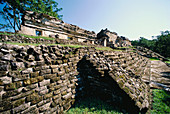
[(21, 44), (103, 48), (154, 59), (167, 62), (92, 106), (35, 37), (161, 102)]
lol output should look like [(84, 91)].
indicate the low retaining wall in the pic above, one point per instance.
[(48, 79)]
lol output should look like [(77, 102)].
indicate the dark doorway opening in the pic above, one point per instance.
[(91, 85)]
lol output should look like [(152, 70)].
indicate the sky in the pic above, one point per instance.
[(130, 18)]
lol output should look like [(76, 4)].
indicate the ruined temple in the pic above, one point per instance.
[(39, 24), (111, 39)]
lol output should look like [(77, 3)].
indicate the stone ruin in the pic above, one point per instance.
[(48, 79), (111, 39), (37, 24)]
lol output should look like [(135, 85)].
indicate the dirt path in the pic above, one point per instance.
[(160, 75)]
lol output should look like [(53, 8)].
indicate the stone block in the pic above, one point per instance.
[(46, 71), (11, 86), (6, 80), (34, 74), (33, 80), (55, 70), (20, 108), (61, 73), (59, 62), (54, 66), (49, 95), (30, 87), (5, 104), (44, 102), (3, 73), (34, 98), (31, 110), (27, 71), (44, 83), (56, 92), (44, 107), (22, 95), (67, 96), (27, 82), (17, 103), (21, 77), (49, 76), (40, 78)]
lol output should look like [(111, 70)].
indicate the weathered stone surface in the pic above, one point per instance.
[(44, 107), (31, 110), (44, 82), (21, 108), (33, 98), (67, 96), (59, 84), (6, 80), (7, 57)]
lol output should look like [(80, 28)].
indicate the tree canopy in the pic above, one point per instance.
[(13, 10), (160, 45)]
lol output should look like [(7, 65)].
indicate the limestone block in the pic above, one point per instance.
[(7, 57), (34, 98), (31, 110), (6, 80), (5, 104), (67, 96), (5, 67), (47, 71), (43, 102), (55, 70), (27, 71), (44, 82), (17, 103), (20, 108), (49, 95), (3, 73)]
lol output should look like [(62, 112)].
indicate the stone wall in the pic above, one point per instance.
[(149, 53), (21, 39), (48, 79)]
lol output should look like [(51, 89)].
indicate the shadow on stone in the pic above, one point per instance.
[(91, 84)]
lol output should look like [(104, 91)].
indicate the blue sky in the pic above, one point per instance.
[(130, 18)]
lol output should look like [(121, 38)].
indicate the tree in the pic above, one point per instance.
[(13, 10), (160, 45)]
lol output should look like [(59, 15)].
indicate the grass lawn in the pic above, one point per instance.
[(161, 102), (92, 106)]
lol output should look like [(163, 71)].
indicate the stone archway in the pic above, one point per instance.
[(92, 84)]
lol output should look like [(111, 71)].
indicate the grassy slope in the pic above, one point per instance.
[(161, 102)]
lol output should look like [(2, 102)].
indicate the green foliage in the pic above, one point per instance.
[(93, 106), (161, 102), (160, 45), (13, 10)]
